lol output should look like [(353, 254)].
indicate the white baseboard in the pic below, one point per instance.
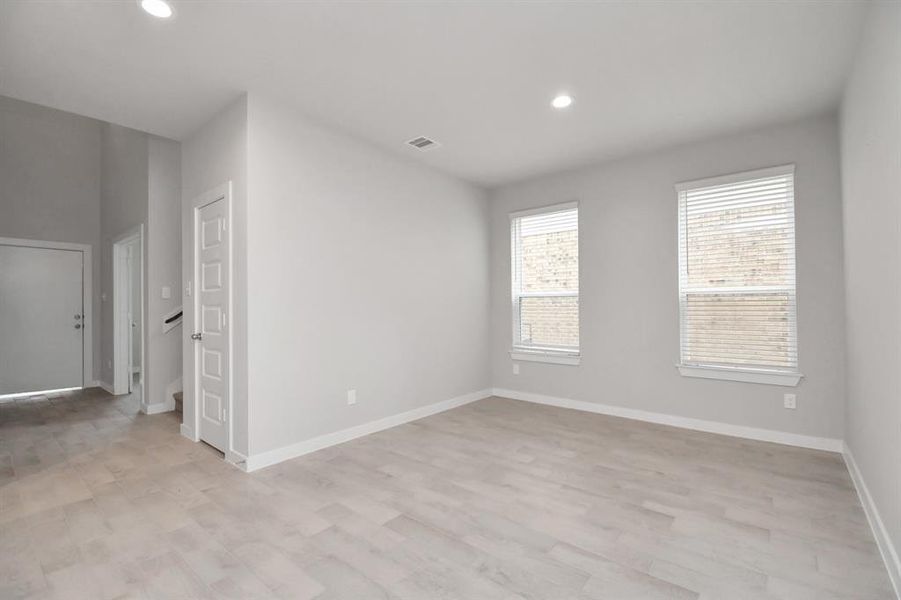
[(158, 407), (741, 431), (883, 541), (107, 387), (166, 401), (266, 459), (188, 432), (237, 459)]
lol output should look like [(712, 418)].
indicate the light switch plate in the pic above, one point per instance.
[(351, 397), (166, 292), (516, 368)]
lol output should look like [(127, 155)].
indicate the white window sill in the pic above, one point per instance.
[(744, 375), (546, 357)]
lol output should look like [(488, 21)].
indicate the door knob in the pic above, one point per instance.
[(77, 317), (196, 336), (78, 326)]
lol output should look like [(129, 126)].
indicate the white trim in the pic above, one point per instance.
[(516, 293), (545, 209), (880, 533), (740, 431), (6, 241), (158, 407), (736, 177), (121, 348), (167, 404), (237, 459), (12, 397), (107, 387), (745, 375), (221, 192), (266, 459), (189, 433), (682, 190), (546, 357), (87, 295)]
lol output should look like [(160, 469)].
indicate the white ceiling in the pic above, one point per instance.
[(476, 76)]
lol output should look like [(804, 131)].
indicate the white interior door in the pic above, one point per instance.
[(41, 319), (211, 268)]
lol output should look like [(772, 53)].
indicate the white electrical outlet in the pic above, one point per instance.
[(791, 401), (516, 368), (351, 397), (166, 292)]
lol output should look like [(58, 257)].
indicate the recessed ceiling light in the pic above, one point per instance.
[(157, 8), (562, 101)]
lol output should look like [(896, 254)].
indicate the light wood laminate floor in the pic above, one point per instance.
[(496, 499)]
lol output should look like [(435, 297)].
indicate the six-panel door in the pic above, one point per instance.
[(212, 256)]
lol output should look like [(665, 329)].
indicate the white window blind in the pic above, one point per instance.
[(545, 273), (737, 272)]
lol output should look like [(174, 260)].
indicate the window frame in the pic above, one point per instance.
[(747, 374), (546, 354)]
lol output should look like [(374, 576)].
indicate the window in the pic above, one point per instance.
[(545, 273), (737, 277)]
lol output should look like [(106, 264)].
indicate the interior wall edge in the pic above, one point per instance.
[(880, 532)]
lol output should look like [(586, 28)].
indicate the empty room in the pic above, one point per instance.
[(450, 300)]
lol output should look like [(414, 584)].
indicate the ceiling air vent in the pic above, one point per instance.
[(423, 143)]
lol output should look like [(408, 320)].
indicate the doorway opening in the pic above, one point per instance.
[(128, 313)]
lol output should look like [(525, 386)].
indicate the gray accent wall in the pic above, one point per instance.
[(123, 205), (629, 282), (67, 178), (50, 169), (164, 267), (141, 185)]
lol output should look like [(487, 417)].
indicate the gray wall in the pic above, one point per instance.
[(213, 155), (164, 267), (123, 205), (871, 178), (629, 283), (50, 173), (68, 178), (366, 272)]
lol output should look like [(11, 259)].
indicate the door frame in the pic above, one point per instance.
[(221, 192), (121, 290), (87, 295)]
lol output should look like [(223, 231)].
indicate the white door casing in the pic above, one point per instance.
[(44, 316), (128, 263), (212, 310)]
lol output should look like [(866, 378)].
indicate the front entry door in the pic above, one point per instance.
[(211, 268), (41, 319)]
